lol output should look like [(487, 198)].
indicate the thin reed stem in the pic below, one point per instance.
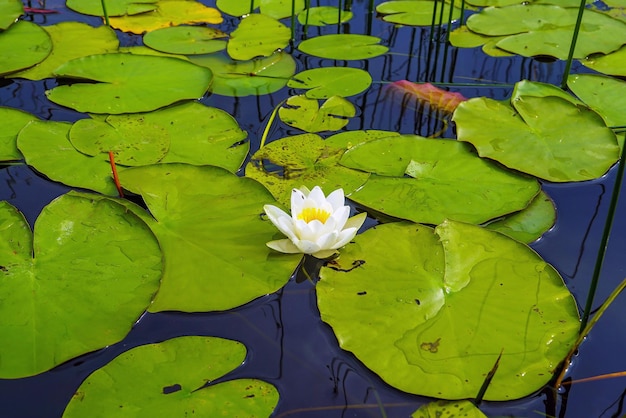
[(572, 47), (104, 10)]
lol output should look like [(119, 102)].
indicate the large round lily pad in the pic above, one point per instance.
[(432, 312), (187, 40), (169, 379), (547, 136), (23, 45), (343, 46), (77, 285), (209, 224), (257, 36), (427, 181), (325, 82), (127, 83)]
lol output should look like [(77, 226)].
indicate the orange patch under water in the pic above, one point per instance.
[(310, 214)]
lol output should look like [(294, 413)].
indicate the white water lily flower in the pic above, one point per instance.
[(318, 225)]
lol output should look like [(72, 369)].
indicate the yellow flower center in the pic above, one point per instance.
[(310, 214)]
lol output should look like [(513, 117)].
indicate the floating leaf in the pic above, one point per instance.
[(323, 15), (605, 95), (23, 45), (432, 312), (302, 160), (441, 408), (10, 10), (427, 93), (71, 40), (169, 378), (613, 63), (46, 148), (306, 114), (168, 13), (535, 30), (426, 180), (187, 40), (237, 7), (416, 13), (209, 220), (114, 7), (322, 83), (13, 121), (548, 137), (279, 9), (245, 78), (128, 83), (530, 223), (76, 285), (343, 47), (257, 36)]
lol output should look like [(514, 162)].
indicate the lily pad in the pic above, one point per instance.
[(45, 147), (114, 7), (237, 7), (431, 313), (323, 15), (426, 180), (343, 47), (416, 13), (10, 10), (613, 63), (322, 83), (279, 9), (605, 95), (209, 225), (23, 45), (441, 408), (302, 160), (87, 273), (549, 137), (127, 83), (530, 223), (169, 379), (167, 13), (13, 120), (257, 36), (71, 40), (188, 40), (248, 78), (535, 30), (306, 114)]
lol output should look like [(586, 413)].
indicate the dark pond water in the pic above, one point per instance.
[(288, 344)]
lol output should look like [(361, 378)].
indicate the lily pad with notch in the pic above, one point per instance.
[(113, 7), (416, 13), (13, 120), (306, 114), (323, 16), (343, 47), (23, 45), (186, 40), (257, 36), (10, 11), (322, 83)]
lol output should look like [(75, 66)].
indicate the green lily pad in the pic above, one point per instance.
[(189, 40), (144, 50), (605, 95), (45, 147), (167, 13), (209, 220), (257, 36), (343, 47), (127, 83), (416, 13), (502, 3), (71, 40), (77, 284), (425, 180), (441, 408), (279, 9), (323, 15), (302, 160), (113, 7), (132, 140), (431, 314), (322, 83), (248, 78), (237, 7), (535, 30), (349, 139), (613, 63), (13, 120), (169, 379), (462, 37), (530, 223), (10, 10), (549, 137), (23, 45), (306, 114)]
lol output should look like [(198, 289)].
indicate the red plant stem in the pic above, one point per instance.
[(115, 176), (40, 11)]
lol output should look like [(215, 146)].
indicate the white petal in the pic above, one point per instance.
[(283, 246), (309, 231), (324, 254), (286, 226), (280, 219), (356, 221), (297, 202), (327, 241), (307, 247), (340, 216), (317, 195), (344, 237), (336, 199)]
